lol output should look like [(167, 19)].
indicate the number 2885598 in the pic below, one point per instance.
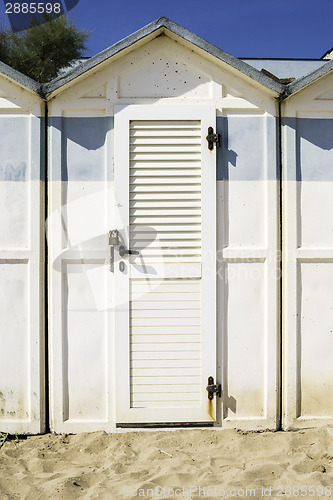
[(33, 8)]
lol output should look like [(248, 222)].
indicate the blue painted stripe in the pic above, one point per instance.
[(79, 151), (248, 149), (20, 160)]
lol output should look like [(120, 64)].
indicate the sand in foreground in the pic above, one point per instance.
[(168, 464)]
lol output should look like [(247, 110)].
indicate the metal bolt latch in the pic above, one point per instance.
[(123, 251), (213, 138), (213, 388)]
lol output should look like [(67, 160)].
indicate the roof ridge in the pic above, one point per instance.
[(158, 24)]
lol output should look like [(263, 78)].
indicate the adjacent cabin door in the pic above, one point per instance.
[(165, 313)]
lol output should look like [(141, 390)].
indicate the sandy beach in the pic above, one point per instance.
[(168, 464)]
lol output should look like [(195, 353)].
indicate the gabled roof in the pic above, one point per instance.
[(159, 26), (163, 25), (19, 78)]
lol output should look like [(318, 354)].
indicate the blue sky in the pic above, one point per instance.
[(244, 28)]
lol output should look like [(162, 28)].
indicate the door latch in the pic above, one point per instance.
[(123, 251), (213, 138), (213, 388)]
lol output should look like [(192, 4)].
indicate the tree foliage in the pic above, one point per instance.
[(42, 50), (4, 34)]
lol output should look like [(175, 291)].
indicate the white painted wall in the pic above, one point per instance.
[(248, 259), (308, 257), (22, 376)]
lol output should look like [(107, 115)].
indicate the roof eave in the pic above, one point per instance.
[(99, 58), (307, 80), (20, 78)]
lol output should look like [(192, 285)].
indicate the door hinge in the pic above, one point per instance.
[(213, 388), (213, 138)]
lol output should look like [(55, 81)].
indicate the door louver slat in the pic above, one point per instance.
[(165, 226)]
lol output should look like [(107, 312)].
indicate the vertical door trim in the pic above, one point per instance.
[(207, 114)]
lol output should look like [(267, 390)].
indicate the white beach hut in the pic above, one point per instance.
[(134, 342), (188, 235)]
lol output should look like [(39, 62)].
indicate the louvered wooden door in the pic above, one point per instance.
[(165, 183)]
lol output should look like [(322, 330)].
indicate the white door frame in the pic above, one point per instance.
[(207, 115)]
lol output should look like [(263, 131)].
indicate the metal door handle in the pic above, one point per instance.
[(123, 251)]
